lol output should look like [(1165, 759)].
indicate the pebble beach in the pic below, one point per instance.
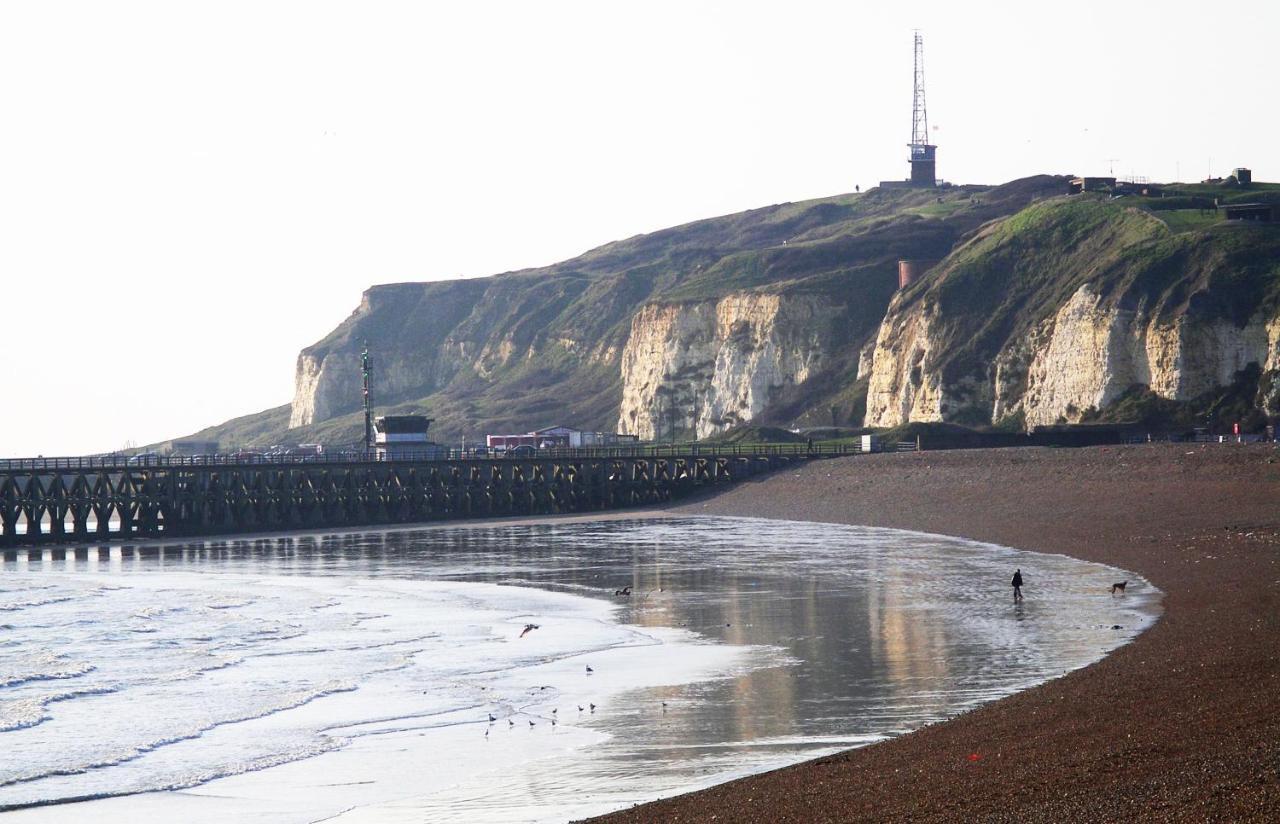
[(1183, 724)]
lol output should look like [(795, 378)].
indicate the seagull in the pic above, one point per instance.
[(486, 732), (579, 708), (664, 706), (554, 711), (593, 707), (491, 718), (510, 723), (553, 722), (528, 628), (589, 669), (531, 724)]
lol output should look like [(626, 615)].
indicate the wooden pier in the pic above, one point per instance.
[(57, 501)]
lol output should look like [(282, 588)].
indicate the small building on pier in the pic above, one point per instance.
[(404, 437)]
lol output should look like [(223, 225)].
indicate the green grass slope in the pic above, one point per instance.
[(541, 346), (1019, 271)]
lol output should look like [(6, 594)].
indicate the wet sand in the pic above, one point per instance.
[(1181, 725)]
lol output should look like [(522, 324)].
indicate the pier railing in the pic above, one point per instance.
[(122, 461)]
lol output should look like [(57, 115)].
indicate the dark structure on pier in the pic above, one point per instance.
[(58, 503)]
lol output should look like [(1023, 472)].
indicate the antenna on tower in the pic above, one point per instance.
[(923, 164)]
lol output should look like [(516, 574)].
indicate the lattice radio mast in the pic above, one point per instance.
[(923, 168)]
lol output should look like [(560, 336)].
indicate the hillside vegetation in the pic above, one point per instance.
[(538, 347), (790, 315), (1076, 304)]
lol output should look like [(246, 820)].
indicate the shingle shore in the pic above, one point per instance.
[(1181, 725)]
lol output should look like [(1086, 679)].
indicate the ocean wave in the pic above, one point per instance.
[(20, 713), (287, 702), (229, 603), (190, 778), (28, 602), (44, 666)]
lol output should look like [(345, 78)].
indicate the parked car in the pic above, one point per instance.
[(247, 457), (524, 450), (144, 459)]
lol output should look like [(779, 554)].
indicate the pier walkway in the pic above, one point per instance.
[(99, 498)]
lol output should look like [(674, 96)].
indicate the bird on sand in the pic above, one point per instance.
[(589, 669), (532, 724), (579, 708), (491, 718), (554, 711), (510, 723), (593, 707), (529, 628)]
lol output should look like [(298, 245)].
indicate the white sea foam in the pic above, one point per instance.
[(295, 686), (164, 711)]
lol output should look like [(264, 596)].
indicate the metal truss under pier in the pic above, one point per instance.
[(64, 505)]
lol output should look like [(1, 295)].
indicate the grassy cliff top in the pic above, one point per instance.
[(1020, 271)]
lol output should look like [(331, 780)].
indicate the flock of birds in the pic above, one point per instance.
[(589, 709)]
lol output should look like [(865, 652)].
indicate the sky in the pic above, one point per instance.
[(190, 193)]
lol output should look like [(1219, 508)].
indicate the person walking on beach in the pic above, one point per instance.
[(1017, 585)]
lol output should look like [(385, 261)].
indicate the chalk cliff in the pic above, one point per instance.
[(708, 366), (1044, 308), (759, 316), (1055, 314)]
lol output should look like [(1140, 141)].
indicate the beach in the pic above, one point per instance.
[(1181, 724), (497, 673)]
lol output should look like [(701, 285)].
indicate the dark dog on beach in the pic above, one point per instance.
[(1118, 587)]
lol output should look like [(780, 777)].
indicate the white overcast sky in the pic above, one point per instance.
[(192, 192)]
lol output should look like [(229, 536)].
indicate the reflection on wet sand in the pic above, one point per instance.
[(863, 633)]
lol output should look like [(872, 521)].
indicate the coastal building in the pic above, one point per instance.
[(1091, 184), (193, 447), (580, 439), (554, 437), (404, 437), (1257, 212)]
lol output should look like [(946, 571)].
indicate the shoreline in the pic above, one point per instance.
[(1183, 723)]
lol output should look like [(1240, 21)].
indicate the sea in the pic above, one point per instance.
[(519, 672)]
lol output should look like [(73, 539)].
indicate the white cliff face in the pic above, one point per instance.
[(1084, 356), (904, 385), (1089, 356), (709, 366), (306, 385), (329, 386), (1094, 353)]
